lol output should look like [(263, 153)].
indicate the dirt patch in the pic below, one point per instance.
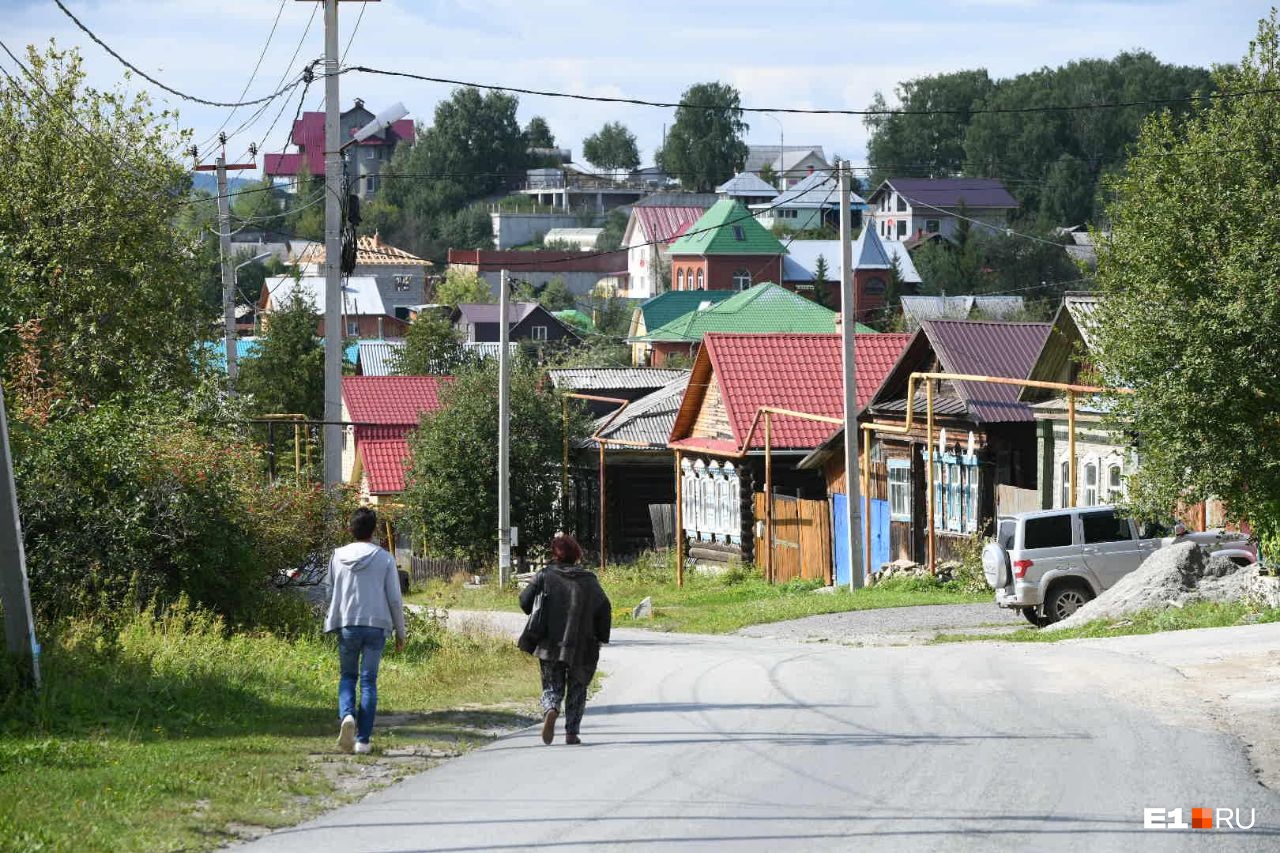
[(1172, 577)]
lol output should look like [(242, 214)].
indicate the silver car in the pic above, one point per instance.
[(1049, 563)]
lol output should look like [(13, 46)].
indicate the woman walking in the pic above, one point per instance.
[(576, 617)]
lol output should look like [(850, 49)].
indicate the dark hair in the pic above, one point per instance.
[(565, 549), (363, 522)]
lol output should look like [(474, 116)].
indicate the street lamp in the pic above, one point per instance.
[(782, 154), (230, 331)]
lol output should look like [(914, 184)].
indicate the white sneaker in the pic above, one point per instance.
[(347, 735), (363, 748)]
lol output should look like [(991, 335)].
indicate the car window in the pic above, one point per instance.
[(1155, 530), (1047, 531), (1104, 527), (1005, 534)]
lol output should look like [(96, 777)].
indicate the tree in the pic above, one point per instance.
[(258, 208), (556, 296), (88, 243), (286, 374), (769, 176), (1190, 302), (612, 147), (820, 273), (431, 347), (452, 493), (615, 228), (462, 287), (704, 147), (537, 133), (911, 143)]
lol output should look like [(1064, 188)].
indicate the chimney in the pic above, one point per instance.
[(359, 103)]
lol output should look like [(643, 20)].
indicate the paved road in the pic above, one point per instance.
[(894, 626), (735, 743)]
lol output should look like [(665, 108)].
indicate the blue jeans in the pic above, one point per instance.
[(359, 653)]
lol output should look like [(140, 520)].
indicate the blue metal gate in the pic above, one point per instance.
[(840, 533)]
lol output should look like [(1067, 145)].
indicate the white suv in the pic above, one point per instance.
[(1049, 563)]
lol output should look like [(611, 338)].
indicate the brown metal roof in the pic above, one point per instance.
[(982, 348)]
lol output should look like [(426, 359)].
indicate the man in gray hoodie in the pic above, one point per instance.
[(364, 606)]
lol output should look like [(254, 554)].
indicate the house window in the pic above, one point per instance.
[(874, 287), (1064, 499), (902, 204), (741, 280), (699, 279), (1115, 484), (739, 234), (1090, 484), (371, 153), (932, 226), (372, 182), (902, 227), (539, 333), (955, 493), (680, 279), (788, 213), (900, 489), (403, 283), (353, 328)]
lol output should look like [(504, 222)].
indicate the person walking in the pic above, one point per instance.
[(577, 616), (364, 606)]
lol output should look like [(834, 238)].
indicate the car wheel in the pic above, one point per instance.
[(1033, 616), (1064, 600)]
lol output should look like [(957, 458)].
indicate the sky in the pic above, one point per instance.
[(823, 54)]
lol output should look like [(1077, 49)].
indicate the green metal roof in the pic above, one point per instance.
[(727, 228), (574, 317), (674, 304), (763, 308)]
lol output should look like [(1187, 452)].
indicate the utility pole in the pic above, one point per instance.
[(333, 330), (504, 433), (15, 594), (848, 327), (224, 253)]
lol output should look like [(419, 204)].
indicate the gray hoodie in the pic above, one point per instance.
[(364, 589)]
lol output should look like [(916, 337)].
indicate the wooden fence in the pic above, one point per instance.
[(423, 569), (802, 540)]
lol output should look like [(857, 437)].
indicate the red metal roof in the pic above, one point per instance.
[(665, 224), (801, 372), (308, 135), (385, 464), (389, 407), (981, 348)]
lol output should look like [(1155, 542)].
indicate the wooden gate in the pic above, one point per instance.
[(801, 538)]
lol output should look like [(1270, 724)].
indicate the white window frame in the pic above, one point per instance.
[(353, 328), (899, 477), (741, 280), (680, 279), (538, 333), (403, 283), (1115, 493), (1090, 488), (955, 490), (1064, 491), (700, 283)]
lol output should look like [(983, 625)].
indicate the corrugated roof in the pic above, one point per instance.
[(764, 308), (727, 229), (803, 373), (674, 304), (981, 348), (374, 358), (360, 294), (390, 406), (650, 418), (953, 192), (759, 156), (803, 256), (677, 199), (817, 190), (603, 378), (664, 224), (1081, 307), (386, 462), (308, 134), (747, 184)]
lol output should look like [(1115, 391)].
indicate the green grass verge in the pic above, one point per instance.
[(1200, 614), (712, 604), (168, 734)]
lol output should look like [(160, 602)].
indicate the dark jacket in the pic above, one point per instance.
[(577, 612)]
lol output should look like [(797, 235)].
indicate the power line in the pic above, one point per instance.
[(144, 75), (252, 76), (545, 93)]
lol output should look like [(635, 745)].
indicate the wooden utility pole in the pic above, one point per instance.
[(15, 594)]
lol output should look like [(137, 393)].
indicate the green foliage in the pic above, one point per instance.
[(611, 314), (769, 176), (820, 275), (612, 147), (452, 495), (87, 238), (704, 147), (286, 374), (615, 227), (986, 261), (461, 287), (596, 351), (537, 133), (1051, 161), (431, 347), (1191, 304), (556, 296), (259, 209), (123, 505)]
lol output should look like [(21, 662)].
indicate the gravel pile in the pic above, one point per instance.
[(1171, 577)]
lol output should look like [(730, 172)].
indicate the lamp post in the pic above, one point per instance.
[(232, 368), (782, 151)]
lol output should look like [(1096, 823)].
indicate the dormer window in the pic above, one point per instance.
[(739, 234)]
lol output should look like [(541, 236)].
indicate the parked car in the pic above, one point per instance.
[(1049, 563)]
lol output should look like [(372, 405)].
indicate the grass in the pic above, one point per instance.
[(1200, 614), (712, 604), (170, 733)]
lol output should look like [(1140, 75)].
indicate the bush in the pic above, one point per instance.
[(124, 506)]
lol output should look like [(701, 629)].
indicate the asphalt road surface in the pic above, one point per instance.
[(739, 743)]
